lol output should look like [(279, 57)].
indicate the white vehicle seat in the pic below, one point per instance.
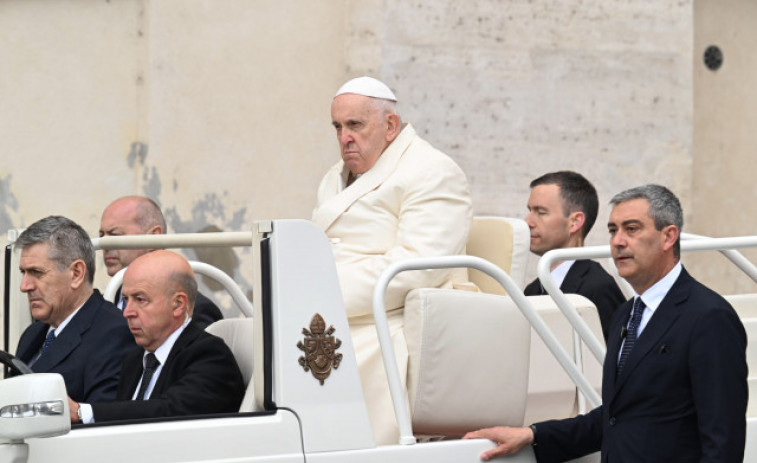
[(502, 241), (237, 333), (468, 361), (551, 392), (746, 307)]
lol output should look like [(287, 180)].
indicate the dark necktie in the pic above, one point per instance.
[(633, 331), (151, 364), (48, 340)]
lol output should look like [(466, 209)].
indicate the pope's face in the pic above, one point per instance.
[(363, 132)]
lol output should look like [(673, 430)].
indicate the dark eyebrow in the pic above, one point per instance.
[(625, 223)]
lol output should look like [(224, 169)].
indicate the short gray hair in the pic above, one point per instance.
[(185, 282), (384, 107), (664, 207), (68, 242)]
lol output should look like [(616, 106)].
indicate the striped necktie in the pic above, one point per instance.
[(632, 335)]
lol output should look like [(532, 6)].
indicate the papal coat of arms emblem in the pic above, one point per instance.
[(320, 349)]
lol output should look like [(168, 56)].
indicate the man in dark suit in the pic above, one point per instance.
[(674, 385), (138, 215), (77, 333), (180, 369), (562, 209)]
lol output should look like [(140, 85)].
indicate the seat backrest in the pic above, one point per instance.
[(468, 361), (237, 333), (551, 392), (503, 241)]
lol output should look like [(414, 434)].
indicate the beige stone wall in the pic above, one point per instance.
[(515, 89), (725, 143), (220, 109)]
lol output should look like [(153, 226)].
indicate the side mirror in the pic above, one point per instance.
[(33, 405)]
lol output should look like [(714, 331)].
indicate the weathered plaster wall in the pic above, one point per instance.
[(220, 109)]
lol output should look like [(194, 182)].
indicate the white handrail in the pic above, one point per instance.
[(387, 349), (734, 256), (182, 240), (690, 243), (174, 240), (199, 267), (544, 270)]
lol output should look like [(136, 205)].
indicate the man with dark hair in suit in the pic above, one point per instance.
[(138, 215), (562, 209), (674, 385), (77, 333), (180, 369)]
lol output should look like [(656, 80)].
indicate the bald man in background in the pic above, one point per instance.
[(138, 215)]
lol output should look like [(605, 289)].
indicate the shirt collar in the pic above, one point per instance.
[(558, 274), (653, 296), (65, 322), (161, 353)]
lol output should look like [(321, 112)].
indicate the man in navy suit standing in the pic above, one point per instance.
[(77, 333), (674, 385)]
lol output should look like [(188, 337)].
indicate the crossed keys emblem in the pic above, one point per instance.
[(320, 348)]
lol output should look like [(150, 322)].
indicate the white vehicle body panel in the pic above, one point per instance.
[(236, 439)]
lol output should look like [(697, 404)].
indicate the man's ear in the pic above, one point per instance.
[(576, 221), (393, 123), (670, 235), (180, 305), (156, 230), (78, 271)]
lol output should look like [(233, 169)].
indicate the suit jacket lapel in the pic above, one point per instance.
[(32, 342), (70, 338), (614, 342), (190, 333), (574, 277), (131, 373), (665, 315), (333, 207)]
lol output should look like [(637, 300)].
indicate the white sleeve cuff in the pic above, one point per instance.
[(87, 416)]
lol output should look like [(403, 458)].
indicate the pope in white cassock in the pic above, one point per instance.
[(392, 196)]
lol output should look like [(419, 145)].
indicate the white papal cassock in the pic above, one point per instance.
[(413, 202)]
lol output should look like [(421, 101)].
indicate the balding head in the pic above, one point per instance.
[(159, 292), (130, 215)]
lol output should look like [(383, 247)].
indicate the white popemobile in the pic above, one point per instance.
[(304, 400)]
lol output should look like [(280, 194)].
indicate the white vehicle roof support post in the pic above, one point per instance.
[(199, 267), (187, 240), (387, 349)]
